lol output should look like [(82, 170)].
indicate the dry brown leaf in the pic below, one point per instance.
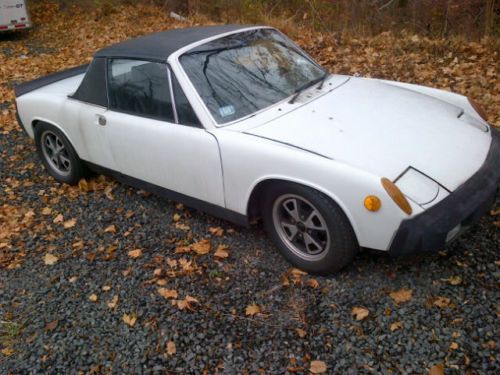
[(171, 349), (50, 259), (7, 351), (183, 227), (216, 231), (252, 309), (453, 346), (221, 251), (182, 249), (161, 282), (72, 279), (52, 325), (395, 326), (201, 247), (46, 211), (360, 313), (167, 293), (110, 229), (437, 369), (441, 302), (313, 283), (58, 219), (69, 223), (135, 253), (113, 303), (455, 280), (129, 319), (401, 296), (93, 298), (318, 367), (301, 332), (176, 217), (186, 303)]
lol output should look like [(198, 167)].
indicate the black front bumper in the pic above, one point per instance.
[(428, 231)]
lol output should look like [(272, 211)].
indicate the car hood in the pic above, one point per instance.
[(385, 129)]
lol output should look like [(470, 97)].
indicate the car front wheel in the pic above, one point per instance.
[(310, 229), (57, 154)]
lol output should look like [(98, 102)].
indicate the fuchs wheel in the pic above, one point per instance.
[(57, 154), (311, 230)]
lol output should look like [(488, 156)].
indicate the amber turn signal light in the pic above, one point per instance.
[(477, 107), (396, 195), (372, 203)]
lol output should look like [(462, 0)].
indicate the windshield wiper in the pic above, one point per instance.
[(299, 91), (323, 80)]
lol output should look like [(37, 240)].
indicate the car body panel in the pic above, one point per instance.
[(375, 127)]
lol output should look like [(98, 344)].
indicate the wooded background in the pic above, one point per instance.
[(434, 18)]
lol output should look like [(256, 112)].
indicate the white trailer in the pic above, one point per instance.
[(14, 15)]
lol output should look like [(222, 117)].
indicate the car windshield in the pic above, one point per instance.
[(243, 73)]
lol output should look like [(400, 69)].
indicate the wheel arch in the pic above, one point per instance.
[(37, 121), (258, 190)]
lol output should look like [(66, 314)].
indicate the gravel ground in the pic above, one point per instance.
[(97, 308), (52, 325)]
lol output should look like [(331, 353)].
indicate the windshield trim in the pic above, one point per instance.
[(178, 54)]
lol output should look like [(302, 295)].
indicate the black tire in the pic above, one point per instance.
[(338, 240), (74, 167)]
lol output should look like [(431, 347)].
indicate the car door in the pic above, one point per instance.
[(148, 140)]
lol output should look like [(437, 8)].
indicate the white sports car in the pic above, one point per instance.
[(238, 121)]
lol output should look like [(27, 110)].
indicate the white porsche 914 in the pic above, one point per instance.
[(240, 122)]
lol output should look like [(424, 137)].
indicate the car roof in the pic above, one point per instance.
[(159, 46)]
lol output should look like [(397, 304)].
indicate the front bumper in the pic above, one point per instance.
[(429, 230)]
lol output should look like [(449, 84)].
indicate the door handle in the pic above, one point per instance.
[(101, 120)]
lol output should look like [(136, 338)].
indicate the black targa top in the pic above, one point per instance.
[(159, 46), (154, 47)]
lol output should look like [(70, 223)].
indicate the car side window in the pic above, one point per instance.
[(185, 112), (140, 88)]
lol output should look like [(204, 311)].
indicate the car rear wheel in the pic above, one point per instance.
[(58, 156), (310, 230)]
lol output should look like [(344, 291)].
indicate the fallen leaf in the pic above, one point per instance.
[(46, 211), (301, 332), (69, 223), (135, 253), (395, 326), (313, 283), (7, 352), (221, 251), (401, 296), (216, 231), (360, 313), (51, 326), (176, 218), (110, 229), (83, 185), (161, 282), (58, 219), (167, 293), (437, 369), (317, 367), (453, 346), (106, 288), (183, 227), (442, 302), (50, 259), (182, 249), (72, 279), (129, 319), (93, 298), (455, 280), (113, 303), (108, 192), (252, 309), (201, 247), (171, 349), (186, 303)]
